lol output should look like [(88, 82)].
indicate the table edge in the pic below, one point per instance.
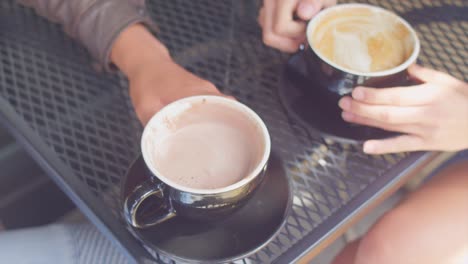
[(53, 167), (304, 251)]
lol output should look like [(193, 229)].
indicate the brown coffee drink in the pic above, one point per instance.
[(362, 39), (206, 146)]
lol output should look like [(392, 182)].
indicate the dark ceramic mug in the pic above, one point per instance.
[(173, 199), (331, 81)]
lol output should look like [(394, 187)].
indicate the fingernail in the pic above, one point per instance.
[(369, 148), (306, 10), (358, 93), (347, 116), (345, 103)]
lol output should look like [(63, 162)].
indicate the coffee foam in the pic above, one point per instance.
[(362, 39), (206, 146)]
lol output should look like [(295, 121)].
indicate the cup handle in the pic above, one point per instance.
[(147, 189)]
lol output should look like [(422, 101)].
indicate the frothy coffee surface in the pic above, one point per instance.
[(362, 39), (207, 146)]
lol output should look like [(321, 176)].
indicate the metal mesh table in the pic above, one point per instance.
[(80, 126)]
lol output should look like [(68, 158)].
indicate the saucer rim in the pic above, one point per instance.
[(134, 231)]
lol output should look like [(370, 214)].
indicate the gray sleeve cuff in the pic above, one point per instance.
[(102, 23)]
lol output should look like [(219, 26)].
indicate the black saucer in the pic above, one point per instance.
[(302, 98), (243, 233)]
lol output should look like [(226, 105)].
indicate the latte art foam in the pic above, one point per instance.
[(362, 39)]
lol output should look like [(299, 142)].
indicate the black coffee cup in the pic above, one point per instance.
[(331, 81), (167, 198)]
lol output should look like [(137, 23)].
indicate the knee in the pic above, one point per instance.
[(380, 244), (374, 248)]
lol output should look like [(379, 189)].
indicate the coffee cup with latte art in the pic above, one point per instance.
[(357, 45)]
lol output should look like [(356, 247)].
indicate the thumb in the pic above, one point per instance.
[(306, 9)]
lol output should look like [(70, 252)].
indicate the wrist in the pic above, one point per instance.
[(135, 48)]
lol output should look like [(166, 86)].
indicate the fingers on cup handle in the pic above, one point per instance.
[(267, 20), (396, 96), (261, 17), (328, 3), (404, 128), (307, 9), (391, 115), (284, 44), (283, 21)]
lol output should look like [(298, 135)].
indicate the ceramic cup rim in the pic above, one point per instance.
[(215, 99), (411, 59)]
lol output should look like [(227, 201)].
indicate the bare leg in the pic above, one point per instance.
[(348, 254), (430, 226)]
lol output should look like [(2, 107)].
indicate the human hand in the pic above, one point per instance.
[(160, 83), (432, 115), (280, 28), (155, 79)]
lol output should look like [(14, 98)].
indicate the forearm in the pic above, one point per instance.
[(114, 32), (135, 48)]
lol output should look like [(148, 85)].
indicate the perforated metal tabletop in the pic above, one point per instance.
[(80, 126)]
